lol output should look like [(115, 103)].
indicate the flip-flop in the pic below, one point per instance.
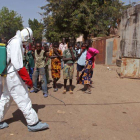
[(88, 91), (64, 92), (56, 89), (71, 92)]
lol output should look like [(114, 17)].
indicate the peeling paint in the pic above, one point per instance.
[(130, 33), (130, 67)]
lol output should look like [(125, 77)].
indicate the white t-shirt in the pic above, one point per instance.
[(63, 47), (82, 59)]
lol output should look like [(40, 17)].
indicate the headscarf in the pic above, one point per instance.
[(91, 53)]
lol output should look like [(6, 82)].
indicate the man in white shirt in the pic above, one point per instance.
[(62, 47)]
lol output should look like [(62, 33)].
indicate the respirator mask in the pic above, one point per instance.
[(26, 39)]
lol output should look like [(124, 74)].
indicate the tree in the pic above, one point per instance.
[(37, 28), (10, 22), (69, 18)]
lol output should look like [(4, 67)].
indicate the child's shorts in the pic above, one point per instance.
[(79, 67), (68, 71)]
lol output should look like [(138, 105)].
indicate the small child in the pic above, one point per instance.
[(81, 58), (69, 56), (56, 56), (31, 63)]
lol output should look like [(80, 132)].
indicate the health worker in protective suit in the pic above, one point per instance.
[(14, 88)]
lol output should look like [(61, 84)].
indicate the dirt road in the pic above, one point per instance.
[(111, 112)]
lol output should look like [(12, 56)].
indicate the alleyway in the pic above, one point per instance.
[(111, 112)]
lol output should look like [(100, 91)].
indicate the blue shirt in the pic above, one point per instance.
[(82, 59)]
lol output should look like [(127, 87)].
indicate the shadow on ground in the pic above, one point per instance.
[(18, 116)]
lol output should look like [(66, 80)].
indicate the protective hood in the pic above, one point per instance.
[(15, 52), (26, 34)]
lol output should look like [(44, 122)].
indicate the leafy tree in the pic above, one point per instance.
[(37, 28), (70, 18), (10, 22)]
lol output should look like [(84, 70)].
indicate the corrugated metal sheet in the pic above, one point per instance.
[(109, 51), (130, 33), (115, 54), (101, 46), (130, 68)]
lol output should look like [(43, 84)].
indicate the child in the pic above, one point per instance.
[(56, 56), (47, 62), (39, 70), (31, 63), (81, 58), (69, 56), (85, 77)]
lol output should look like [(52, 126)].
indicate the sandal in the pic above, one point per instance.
[(64, 92), (88, 91), (71, 92), (56, 89)]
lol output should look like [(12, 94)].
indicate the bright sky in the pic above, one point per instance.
[(26, 8), (30, 8)]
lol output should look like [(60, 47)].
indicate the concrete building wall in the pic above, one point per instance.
[(130, 33)]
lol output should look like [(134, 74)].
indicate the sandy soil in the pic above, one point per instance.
[(111, 112)]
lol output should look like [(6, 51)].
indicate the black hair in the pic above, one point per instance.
[(39, 43), (46, 46), (70, 44), (89, 42), (55, 44)]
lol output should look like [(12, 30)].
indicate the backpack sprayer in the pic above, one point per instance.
[(3, 59), (3, 63)]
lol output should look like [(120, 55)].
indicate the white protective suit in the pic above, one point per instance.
[(14, 87)]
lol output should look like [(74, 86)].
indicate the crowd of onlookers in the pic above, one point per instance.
[(38, 57)]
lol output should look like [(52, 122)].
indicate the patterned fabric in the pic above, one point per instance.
[(68, 71), (55, 73), (55, 64), (85, 77)]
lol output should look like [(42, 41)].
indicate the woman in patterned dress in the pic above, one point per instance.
[(86, 75), (56, 56)]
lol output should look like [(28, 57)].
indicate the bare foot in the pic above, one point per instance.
[(64, 91)]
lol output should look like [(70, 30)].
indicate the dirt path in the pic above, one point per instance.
[(111, 112)]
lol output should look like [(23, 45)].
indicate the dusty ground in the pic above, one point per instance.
[(111, 112)]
